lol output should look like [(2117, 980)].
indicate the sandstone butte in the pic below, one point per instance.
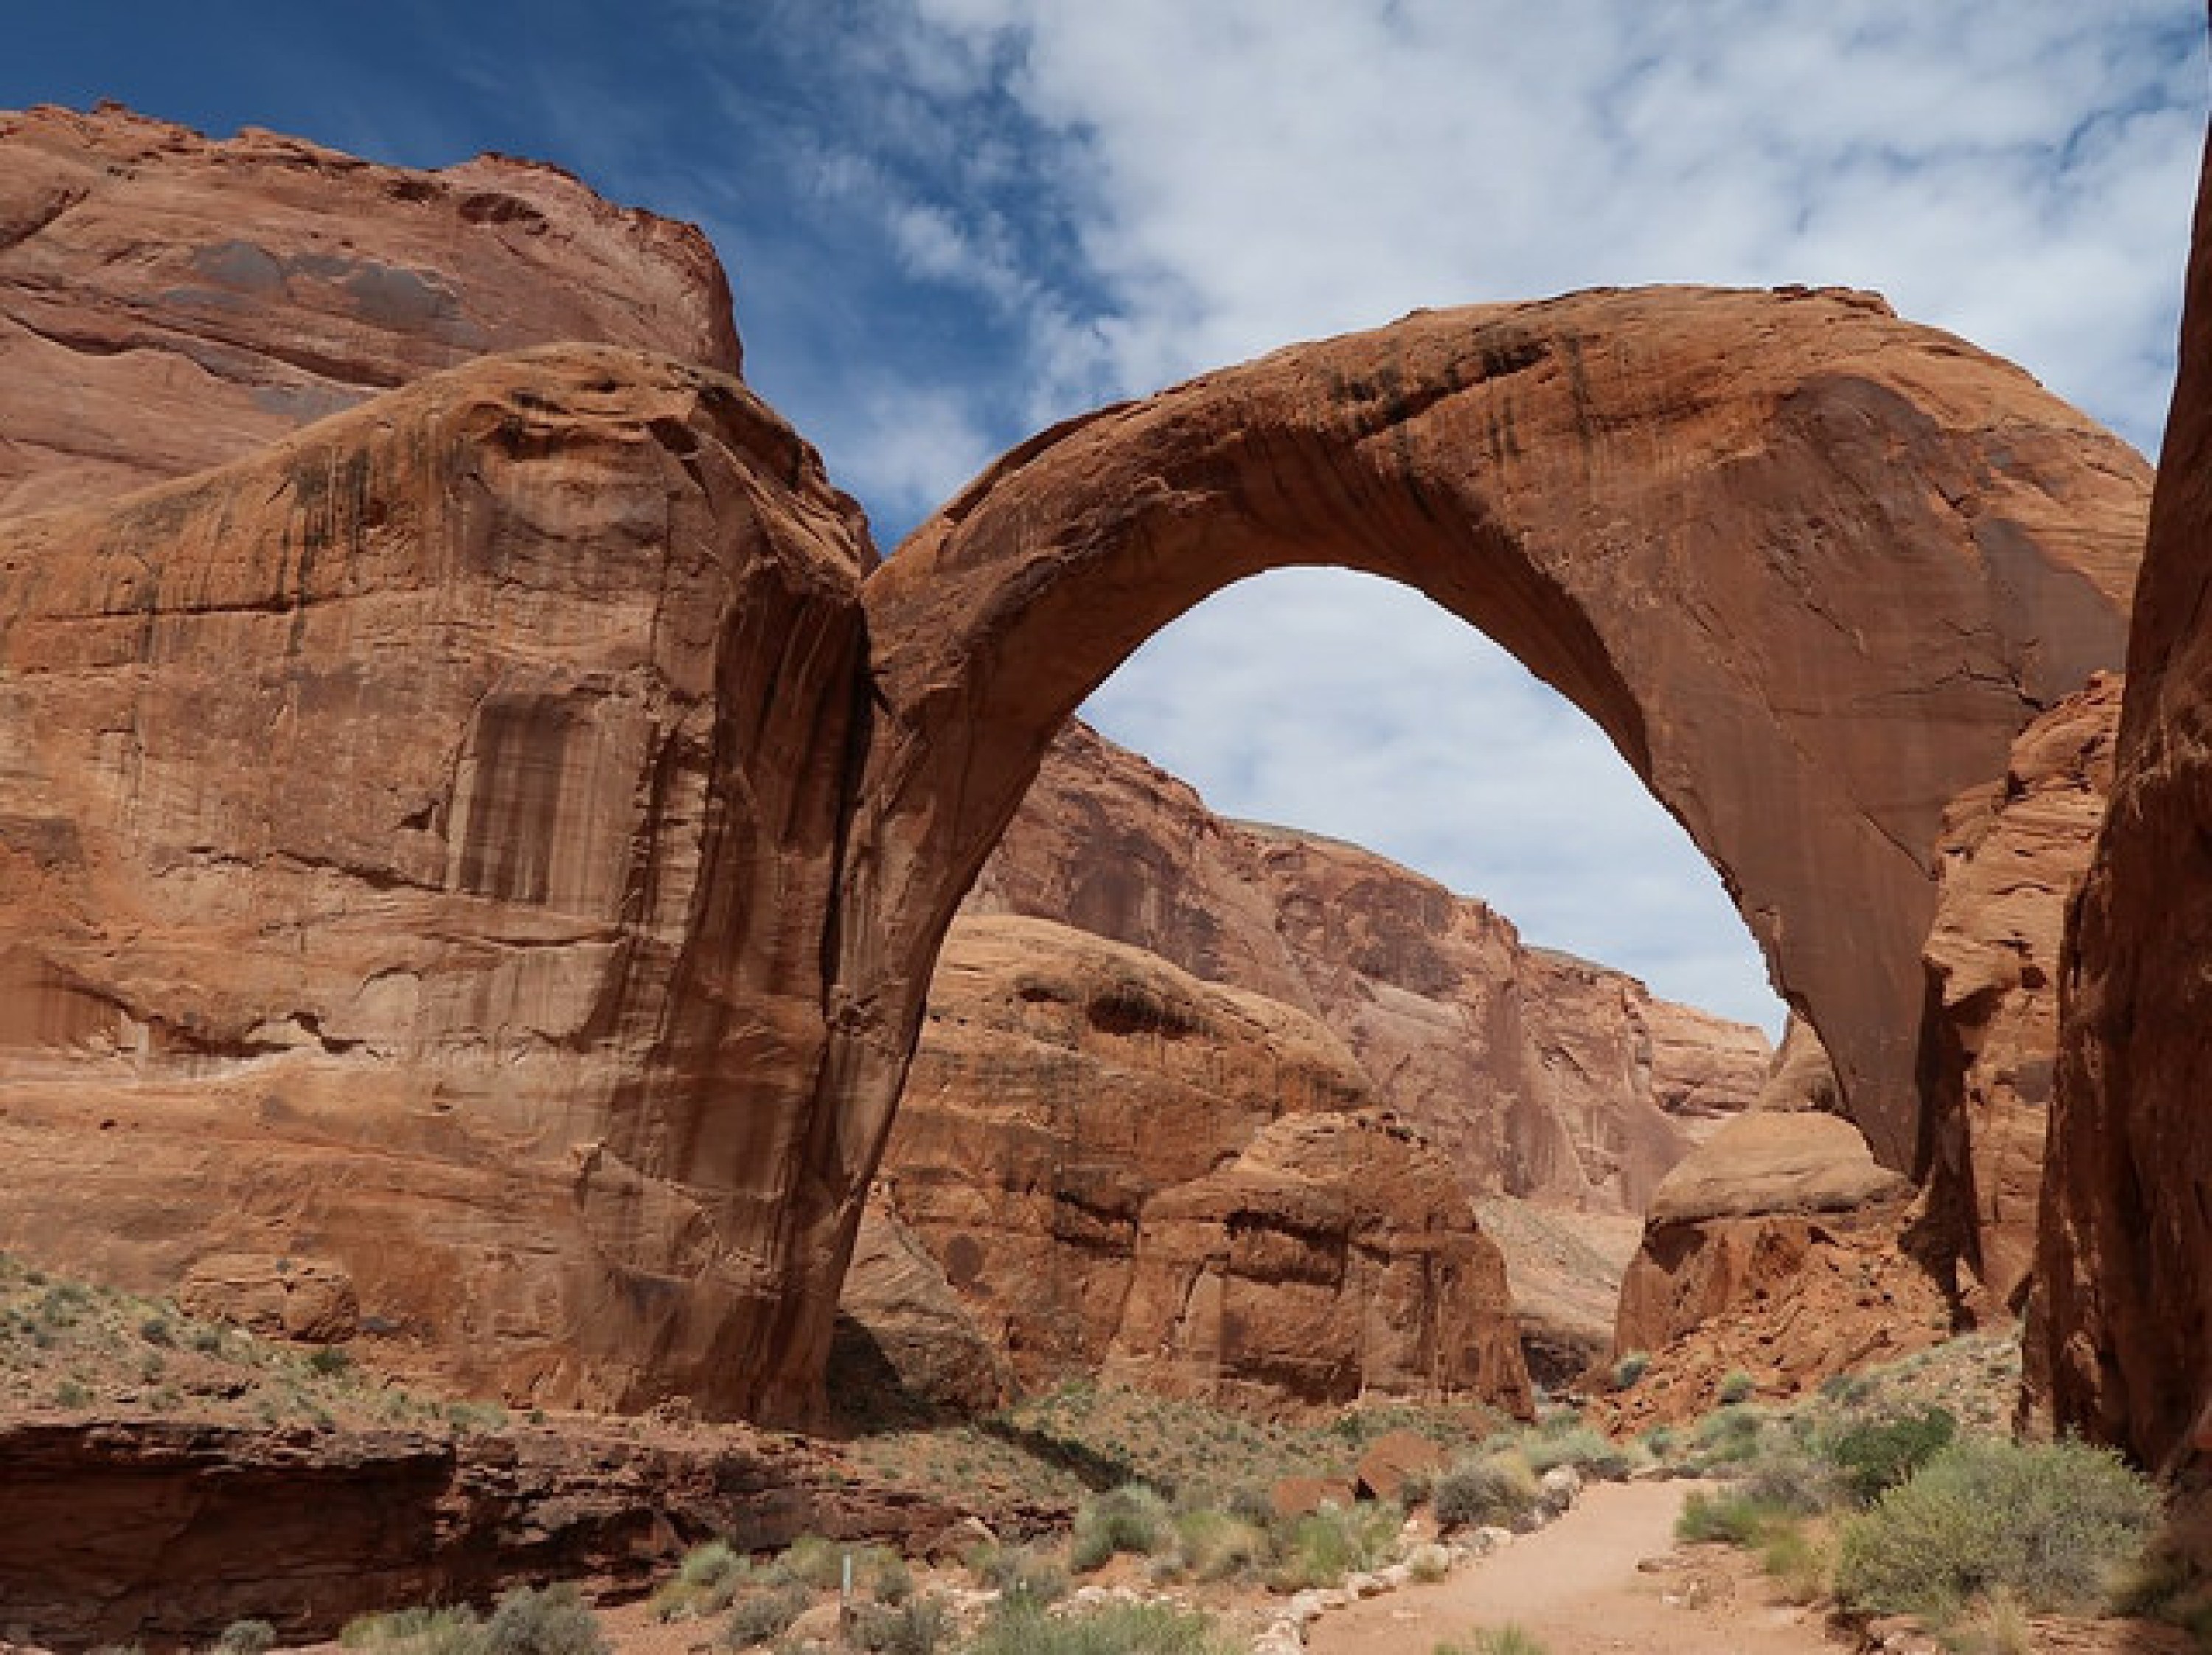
[(516, 814), (2121, 1328)]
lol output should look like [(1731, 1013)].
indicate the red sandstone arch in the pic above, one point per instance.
[(1810, 567)]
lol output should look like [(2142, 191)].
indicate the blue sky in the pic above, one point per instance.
[(949, 221)]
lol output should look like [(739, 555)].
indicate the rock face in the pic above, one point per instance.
[(1116, 1163), (1541, 1076), (167, 304), (422, 828), (1336, 1258), (2125, 1258), (164, 1533), (2014, 852), (1773, 1249)]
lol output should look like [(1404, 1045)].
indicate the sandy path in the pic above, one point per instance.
[(1576, 1586)]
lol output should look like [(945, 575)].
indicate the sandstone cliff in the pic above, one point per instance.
[(168, 303), (1539, 1075), (1095, 1146), (2014, 852), (2121, 1344)]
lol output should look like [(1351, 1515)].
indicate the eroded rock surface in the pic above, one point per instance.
[(168, 303), (1542, 1075), (2014, 852), (2121, 1347), (1084, 1127), (415, 839), (1774, 1249)]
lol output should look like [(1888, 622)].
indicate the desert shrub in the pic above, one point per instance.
[(889, 1581), (813, 1562), (1511, 1639), (1429, 1564), (1153, 1628), (1017, 1573), (1319, 1549), (1735, 1386), (1802, 1563), (1587, 1450), (329, 1360), (763, 1616), (1789, 1479), (420, 1630), (246, 1638), (1130, 1518), (553, 1622), (916, 1627), (1729, 1436), (1497, 1489), (156, 1329), (1630, 1368), (1660, 1442), (1873, 1456), (1213, 1545), (2051, 1523), (708, 1577), (1730, 1515)]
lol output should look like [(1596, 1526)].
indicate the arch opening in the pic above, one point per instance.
[(1773, 544)]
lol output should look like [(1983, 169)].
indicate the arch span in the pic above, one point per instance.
[(1810, 567)]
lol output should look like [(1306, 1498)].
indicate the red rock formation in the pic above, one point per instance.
[(1110, 1159), (423, 829), (1774, 1249), (441, 825), (2121, 1347), (168, 304), (2014, 852), (1741, 531), (163, 1533), (1335, 1258), (1540, 1074)]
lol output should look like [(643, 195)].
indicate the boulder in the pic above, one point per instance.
[(310, 1299)]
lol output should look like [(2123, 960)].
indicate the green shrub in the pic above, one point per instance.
[(2050, 1523), (246, 1638), (1726, 1437), (553, 1622), (417, 1631), (916, 1627), (1735, 1386), (1789, 1480), (1873, 1456), (1586, 1449), (814, 1563), (1508, 1639), (889, 1581), (1497, 1489), (709, 1577), (1803, 1566), (1214, 1545), (1731, 1515), (1130, 1518), (1630, 1368), (1153, 1628), (760, 1616), (1016, 1572), (1319, 1549)]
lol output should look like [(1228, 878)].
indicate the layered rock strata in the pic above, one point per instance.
[(2014, 852), (1117, 1164)]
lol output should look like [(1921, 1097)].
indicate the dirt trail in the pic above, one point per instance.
[(1577, 1586)]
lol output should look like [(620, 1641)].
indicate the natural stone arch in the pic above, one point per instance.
[(1810, 567)]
